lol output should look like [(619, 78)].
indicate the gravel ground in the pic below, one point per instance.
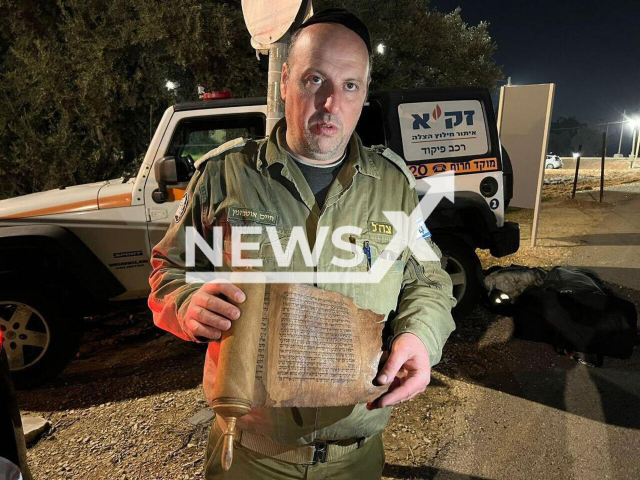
[(120, 410)]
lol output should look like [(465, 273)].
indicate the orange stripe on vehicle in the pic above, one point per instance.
[(115, 201), (82, 206), (175, 194), (471, 166)]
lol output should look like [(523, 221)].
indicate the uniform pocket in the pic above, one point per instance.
[(381, 297), (264, 250), (270, 251)]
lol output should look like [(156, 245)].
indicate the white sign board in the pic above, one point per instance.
[(268, 20), (524, 117), (436, 130)]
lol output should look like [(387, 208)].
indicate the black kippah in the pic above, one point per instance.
[(341, 17)]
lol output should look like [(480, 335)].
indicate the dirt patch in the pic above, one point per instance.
[(559, 183), (120, 409)]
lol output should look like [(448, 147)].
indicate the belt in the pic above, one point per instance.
[(318, 452)]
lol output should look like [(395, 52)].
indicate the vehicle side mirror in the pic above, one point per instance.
[(166, 174)]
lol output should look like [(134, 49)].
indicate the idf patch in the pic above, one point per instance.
[(378, 227), (182, 208), (423, 231), (250, 215)]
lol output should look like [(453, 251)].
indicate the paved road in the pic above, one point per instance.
[(611, 241), (537, 415)]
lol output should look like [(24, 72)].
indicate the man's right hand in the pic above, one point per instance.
[(210, 312)]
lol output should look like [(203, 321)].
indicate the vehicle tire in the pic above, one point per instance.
[(41, 336), (549, 165), (464, 268)]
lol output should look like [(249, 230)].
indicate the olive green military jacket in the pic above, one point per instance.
[(258, 184)]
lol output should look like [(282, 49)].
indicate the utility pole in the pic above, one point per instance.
[(575, 178), (270, 24), (635, 156), (604, 153), (624, 115), (275, 104)]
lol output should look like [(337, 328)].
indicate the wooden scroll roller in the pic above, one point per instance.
[(233, 389)]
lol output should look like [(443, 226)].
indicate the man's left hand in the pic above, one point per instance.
[(408, 355)]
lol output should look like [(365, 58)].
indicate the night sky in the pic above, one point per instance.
[(590, 49)]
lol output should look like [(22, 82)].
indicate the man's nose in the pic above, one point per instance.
[(329, 99)]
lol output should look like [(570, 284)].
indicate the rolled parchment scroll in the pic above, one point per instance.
[(233, 389)]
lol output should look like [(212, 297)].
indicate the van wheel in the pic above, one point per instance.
[(464, 268), (40, 340)]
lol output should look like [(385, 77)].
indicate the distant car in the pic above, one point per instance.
[(553, 161)]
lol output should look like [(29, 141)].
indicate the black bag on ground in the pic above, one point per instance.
[(571, 311)]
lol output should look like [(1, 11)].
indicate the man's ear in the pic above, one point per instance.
[(284, 78)]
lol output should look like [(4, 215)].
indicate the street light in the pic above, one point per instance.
[(633, 124)]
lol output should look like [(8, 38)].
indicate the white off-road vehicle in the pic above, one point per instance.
[(66, 253)]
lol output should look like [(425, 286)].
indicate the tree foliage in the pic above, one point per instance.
[(423, 47), (567, 134), (82, 82)]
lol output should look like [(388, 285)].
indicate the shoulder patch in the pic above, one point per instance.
[(182, 208), (222, 149), (397, 160)]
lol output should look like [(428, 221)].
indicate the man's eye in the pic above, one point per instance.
[(351, 86), (316, 80)]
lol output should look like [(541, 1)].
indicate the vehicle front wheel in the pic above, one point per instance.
[(464, 268), (41, 338)]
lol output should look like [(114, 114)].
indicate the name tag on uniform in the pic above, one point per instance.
[(378, 227), (250, 215)]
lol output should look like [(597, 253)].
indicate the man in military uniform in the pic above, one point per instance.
[(312, 172)]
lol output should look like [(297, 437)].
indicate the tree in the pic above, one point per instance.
[(568, 133), (561, 133), (591, 141), (80, 79), (423, 47)]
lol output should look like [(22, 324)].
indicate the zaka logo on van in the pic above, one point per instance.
[(451, 119), (437, 113)]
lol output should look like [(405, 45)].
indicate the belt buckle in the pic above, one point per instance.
[(320, 453)]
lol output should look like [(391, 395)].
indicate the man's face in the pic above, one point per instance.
[(324, 88)]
